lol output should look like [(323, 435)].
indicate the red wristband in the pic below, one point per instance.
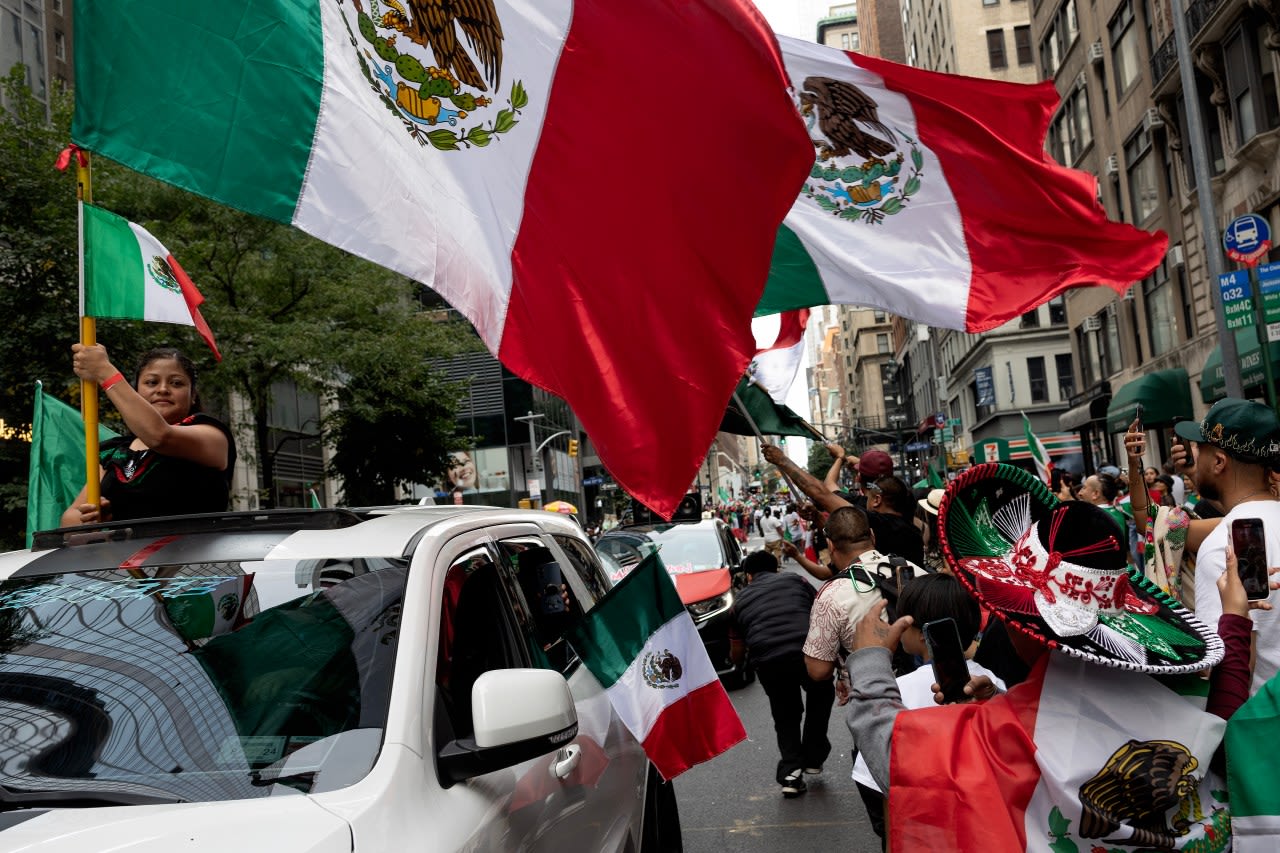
[(111, 380)]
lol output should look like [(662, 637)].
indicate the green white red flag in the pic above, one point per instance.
[(931, 196), (1039, 455), (565, 176), (642, 646), (1079, 758), (1251, 772), (126, 273)]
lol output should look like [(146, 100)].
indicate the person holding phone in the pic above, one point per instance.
[(1233, 450)]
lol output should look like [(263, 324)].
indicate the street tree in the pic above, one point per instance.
[(820, 460)]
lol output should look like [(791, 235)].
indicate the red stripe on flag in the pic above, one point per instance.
[(790, 329), (693, 730), (961, 776), (194, 299), (649, 225), (140, 557), (1033, 228)]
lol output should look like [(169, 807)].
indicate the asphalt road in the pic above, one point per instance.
[(732, 803)]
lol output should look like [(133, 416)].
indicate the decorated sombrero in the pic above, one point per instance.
[(1057, 571)]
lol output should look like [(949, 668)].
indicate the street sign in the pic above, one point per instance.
[(954, 423), (940, 419), (947, 434), (1237, 303), (1247, 238), (1269, 284), (592, 481), (535, 490)]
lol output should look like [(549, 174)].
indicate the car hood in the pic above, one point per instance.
[(285, 824), (701, 585)]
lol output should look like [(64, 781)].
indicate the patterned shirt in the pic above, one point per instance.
[(839, 608)]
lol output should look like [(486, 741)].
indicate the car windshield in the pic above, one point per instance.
[(195, 682)]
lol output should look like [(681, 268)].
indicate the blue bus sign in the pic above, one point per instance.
[(1237, 298), (1247, 238)]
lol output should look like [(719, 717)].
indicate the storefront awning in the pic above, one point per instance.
[(1252, 373), (1165, 397), (1094, 410)]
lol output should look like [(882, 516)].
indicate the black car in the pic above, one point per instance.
[(704, 561)]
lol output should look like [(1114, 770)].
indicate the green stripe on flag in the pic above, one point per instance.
[(610, 637), (113, 271), (794, 280), (1251, 774), (231, 94)]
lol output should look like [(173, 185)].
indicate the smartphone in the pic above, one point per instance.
[(1249, 541), (1137, 413), (549, 581), (950, 671), (902, 574), (1187, 461)]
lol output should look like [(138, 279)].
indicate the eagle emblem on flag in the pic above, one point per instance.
[(864, 170), (436, 65), (661, 670), (160, 273)]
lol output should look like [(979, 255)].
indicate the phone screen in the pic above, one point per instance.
[(1137, 412), (1249, 542), (950, 671)]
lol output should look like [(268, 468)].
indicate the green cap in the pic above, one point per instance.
[(1245, 429)]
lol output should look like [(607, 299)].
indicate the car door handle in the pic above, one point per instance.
[(566, 760)]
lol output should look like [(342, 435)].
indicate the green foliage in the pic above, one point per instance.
[(820, 460)]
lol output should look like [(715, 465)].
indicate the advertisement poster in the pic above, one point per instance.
[(485, 469)]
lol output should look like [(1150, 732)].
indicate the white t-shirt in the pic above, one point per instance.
[(917, 692), (794, 525), (1211, 562), (772, 527)]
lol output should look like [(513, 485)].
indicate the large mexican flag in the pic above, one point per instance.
[(642, 646), (931, 196), (1076, 759), (594, 184)]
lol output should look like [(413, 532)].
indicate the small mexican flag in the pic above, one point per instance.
[(1044, 466), (128, 274), (641, 645)]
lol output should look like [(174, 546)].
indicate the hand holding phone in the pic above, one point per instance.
[(950, 670), (1137, 415), (1248, 541)]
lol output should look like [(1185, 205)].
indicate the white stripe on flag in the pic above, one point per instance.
[(638, 704), (160, 304)]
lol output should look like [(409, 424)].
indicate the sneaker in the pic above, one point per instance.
[(793, 786), (813, 771)]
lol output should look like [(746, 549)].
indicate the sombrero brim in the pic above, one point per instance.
[(1164, 639)]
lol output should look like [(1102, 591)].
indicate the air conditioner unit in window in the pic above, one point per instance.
[(1081, 80), (1176, 258), (1095, 52), (1152, 119), (1092, 324), (1112, 166)]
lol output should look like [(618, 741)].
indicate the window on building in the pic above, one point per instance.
[(1144, 175), (1159, 296), (1057, 311), (60, 46), (844, 41), (882, 344), (1124, 36), (1030, 320), (848, 361), (844, 10), (1066, 376), (57, 6), (855, 41), (990, 2), (1060, 35), (1022, 44), (1039, 382), (1111, 339), (1251, 83), (880, 317), (995, 49), (1071, 132)]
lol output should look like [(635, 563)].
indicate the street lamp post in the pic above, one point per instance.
[(535, 500)]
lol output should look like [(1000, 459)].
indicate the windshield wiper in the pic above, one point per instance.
[(304, 777), (11, 798)]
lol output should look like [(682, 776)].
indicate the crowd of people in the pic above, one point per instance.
[(1087, 609)]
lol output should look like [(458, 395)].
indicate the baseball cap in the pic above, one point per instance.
[(1245, 429), (875, 463)]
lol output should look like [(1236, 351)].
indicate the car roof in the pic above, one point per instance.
[(664, 526), (295, 534)]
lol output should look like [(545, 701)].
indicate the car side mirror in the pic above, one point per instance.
[(518, 714)]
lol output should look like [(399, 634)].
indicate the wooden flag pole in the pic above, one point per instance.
[(88, 337)]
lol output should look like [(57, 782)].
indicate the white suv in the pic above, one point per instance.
[(313, 681)]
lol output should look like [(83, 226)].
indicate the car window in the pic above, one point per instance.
[(477, 635), (686, 548), (201, 682), (587, 565), (546, 596)]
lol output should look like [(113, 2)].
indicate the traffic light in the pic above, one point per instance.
[(573, 447)]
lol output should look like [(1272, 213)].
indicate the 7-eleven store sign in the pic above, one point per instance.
[(1016, 450)]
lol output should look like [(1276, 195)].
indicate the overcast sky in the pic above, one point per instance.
[(795, 17)]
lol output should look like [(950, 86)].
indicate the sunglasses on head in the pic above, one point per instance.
[(870, 487)]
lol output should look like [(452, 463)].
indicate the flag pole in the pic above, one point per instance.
[(88, 337), (760, 436)]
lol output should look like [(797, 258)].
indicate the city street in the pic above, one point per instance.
[(733, 802)]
